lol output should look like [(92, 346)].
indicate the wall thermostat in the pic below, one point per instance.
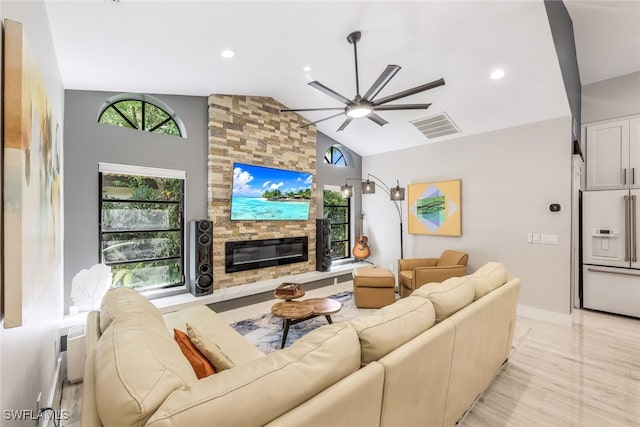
[(555, 207)]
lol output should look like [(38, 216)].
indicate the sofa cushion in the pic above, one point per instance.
[(201, 365), (261, 390), (491, 276), (216, 328), (126, 302), (209, 349), (449, 296), (392, 326), (137, 365)]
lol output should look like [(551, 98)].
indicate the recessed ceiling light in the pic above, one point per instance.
[(307, 69), (497, 74), (227, 53)]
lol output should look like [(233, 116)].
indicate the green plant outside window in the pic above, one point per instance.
[(141, 115), (337, 208), (141, 230)]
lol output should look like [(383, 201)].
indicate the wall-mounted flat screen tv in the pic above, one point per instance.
[(263, 193)]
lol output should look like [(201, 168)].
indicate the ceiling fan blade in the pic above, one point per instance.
[(409, 92), (377, 119), (382, 81), (332, 93), (311, 109), (401, 107), (345, 124), (322, 120)]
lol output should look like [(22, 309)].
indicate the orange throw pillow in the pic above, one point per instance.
[(201, 365)]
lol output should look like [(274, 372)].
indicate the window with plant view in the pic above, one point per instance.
[(337, 208), (334, 156), (141, 112), (142, 226)]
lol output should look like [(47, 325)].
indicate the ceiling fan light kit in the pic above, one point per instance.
[(366, 106), (357, 111)]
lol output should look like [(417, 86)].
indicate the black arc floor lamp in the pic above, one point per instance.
[(396, 195)]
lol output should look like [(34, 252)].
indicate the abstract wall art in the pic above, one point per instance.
[(32, 183), (435, 208)]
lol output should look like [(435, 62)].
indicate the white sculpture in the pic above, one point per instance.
[(89, 286)]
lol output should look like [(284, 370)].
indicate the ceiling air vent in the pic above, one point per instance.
[(436, 126)]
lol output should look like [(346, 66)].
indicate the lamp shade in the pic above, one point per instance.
[(368, 187), (396, 193), (347, 190)]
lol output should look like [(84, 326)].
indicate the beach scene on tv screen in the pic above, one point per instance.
[(262, 193)]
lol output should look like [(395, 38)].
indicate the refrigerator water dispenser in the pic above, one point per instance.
[(605, 243)]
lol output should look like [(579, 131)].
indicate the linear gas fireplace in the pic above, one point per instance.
[(252, 254)]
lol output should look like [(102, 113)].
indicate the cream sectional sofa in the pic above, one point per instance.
[(421, 361)]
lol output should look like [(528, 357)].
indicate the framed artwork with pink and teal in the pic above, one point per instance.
[(435, 208)]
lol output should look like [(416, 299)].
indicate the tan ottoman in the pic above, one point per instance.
[(373, 287)]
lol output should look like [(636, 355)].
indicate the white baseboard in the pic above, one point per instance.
[(544, 315), (53, 394)]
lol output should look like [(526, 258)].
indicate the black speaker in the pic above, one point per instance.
[(201, 253), (323, 244)]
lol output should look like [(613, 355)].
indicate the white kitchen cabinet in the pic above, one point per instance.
[(613, 154)]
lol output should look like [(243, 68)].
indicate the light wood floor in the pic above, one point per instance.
[(583, 375), (587, 374)]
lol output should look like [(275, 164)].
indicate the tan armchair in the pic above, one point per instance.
[(415, 272)]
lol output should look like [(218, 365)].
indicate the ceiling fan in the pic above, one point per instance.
[(366, 106)]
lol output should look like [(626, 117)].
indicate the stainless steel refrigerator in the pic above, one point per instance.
[(610, 258)]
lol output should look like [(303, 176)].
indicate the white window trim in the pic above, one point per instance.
[(119, 169)]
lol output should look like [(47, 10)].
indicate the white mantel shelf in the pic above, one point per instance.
[(178, 302), (185, 300)]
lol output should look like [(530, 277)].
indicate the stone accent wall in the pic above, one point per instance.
[(250, 129)]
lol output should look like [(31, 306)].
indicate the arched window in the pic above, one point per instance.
[(142, 112), (334, 156)]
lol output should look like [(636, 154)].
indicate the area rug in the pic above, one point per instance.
[(265, 332)]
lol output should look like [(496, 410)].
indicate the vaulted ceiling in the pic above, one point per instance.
[(173, 47)]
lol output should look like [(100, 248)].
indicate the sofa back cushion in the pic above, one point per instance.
[(449, 296), (119, 302), (137, 362), (261, 390), (491, 276), (391, 326)]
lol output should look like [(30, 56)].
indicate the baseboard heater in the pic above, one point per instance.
[(76, 352)]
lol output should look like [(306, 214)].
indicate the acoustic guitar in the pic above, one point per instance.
[(361, 249)]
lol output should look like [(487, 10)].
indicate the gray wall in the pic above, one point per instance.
[(336, 175), (509, 177), (564, 41), (88, 142), (611, 98)]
